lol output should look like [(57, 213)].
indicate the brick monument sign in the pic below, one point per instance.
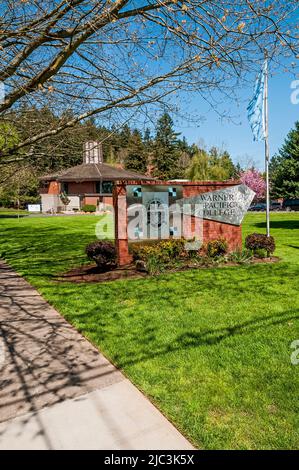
[(191, 210)]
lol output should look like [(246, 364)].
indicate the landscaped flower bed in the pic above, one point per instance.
[(161, 256)]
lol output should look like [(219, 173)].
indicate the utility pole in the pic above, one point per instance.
[(267, 149)]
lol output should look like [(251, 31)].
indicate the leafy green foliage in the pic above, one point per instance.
[(210, 347), (18, 186), (215, 248), (164, 250), (215, 165), (8, 136), (88, 208), (284, 167)]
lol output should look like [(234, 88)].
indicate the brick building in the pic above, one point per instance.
[(89, 183)]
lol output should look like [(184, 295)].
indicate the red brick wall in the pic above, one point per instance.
[(91, 200), (82, 188), (108, 200), (54, 187), (211, 229), (121, 234)]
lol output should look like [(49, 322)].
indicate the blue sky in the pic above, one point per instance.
[(236, 136)]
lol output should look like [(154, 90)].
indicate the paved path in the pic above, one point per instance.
[(58, 392)]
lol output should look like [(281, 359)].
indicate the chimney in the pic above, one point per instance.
[(92, 152)]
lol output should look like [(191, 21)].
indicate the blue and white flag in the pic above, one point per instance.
[(256, 107)]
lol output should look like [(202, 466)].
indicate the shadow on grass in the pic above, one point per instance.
[(276, 224), (148, 349), (12, 216)]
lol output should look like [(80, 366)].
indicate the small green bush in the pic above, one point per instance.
[(162, 250), (259, 243), (154, 265), (89, 208), (102, 253), (215, 248)]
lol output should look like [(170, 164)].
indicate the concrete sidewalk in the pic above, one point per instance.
[(58, 392)]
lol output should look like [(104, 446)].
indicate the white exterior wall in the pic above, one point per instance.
[(74, 203), (50, 202)]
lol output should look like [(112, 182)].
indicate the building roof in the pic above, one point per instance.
[(95, 172)]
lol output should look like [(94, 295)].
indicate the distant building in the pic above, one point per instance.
[(89, 183)]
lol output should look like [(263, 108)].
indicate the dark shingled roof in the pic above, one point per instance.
[(95, 172)]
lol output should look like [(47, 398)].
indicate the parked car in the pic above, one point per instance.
[(275, 206), (291, 205), (260, 206)]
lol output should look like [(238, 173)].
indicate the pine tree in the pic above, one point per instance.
[(227, 164), (166, 149), (147, 139), (136, 157), (284, 167)]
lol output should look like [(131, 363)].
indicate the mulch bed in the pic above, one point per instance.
[(90, 273)]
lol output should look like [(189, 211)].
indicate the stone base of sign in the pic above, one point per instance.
[(211, 229)]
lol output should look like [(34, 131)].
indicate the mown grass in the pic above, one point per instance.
[(210, 347)]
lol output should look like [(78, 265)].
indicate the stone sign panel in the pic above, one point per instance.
[(227, 205), (163, 211)]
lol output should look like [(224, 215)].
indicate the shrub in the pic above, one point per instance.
[(162, 250), (215, 248), (89, 208), (240, 256), (102, 253), (258, 242)]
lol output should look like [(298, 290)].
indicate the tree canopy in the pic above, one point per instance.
[(284, 167), (112, 58)]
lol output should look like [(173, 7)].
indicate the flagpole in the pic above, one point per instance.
[(267, 149)]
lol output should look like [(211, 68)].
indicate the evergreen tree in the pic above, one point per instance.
[(124, 136), (221, 165), (166, 155), (227, 164), (147, 139), (284, 167), (238, 171), (136, 158)]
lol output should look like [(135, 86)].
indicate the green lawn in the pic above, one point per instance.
[(13, 213), (210, 347)]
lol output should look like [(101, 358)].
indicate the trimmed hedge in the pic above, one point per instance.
[(102, 253), (258, 241), (89, 208), (163, 250)]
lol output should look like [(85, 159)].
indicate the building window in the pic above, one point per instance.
[(107, 187), (65, 188), (98, 187), (104, 187)]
